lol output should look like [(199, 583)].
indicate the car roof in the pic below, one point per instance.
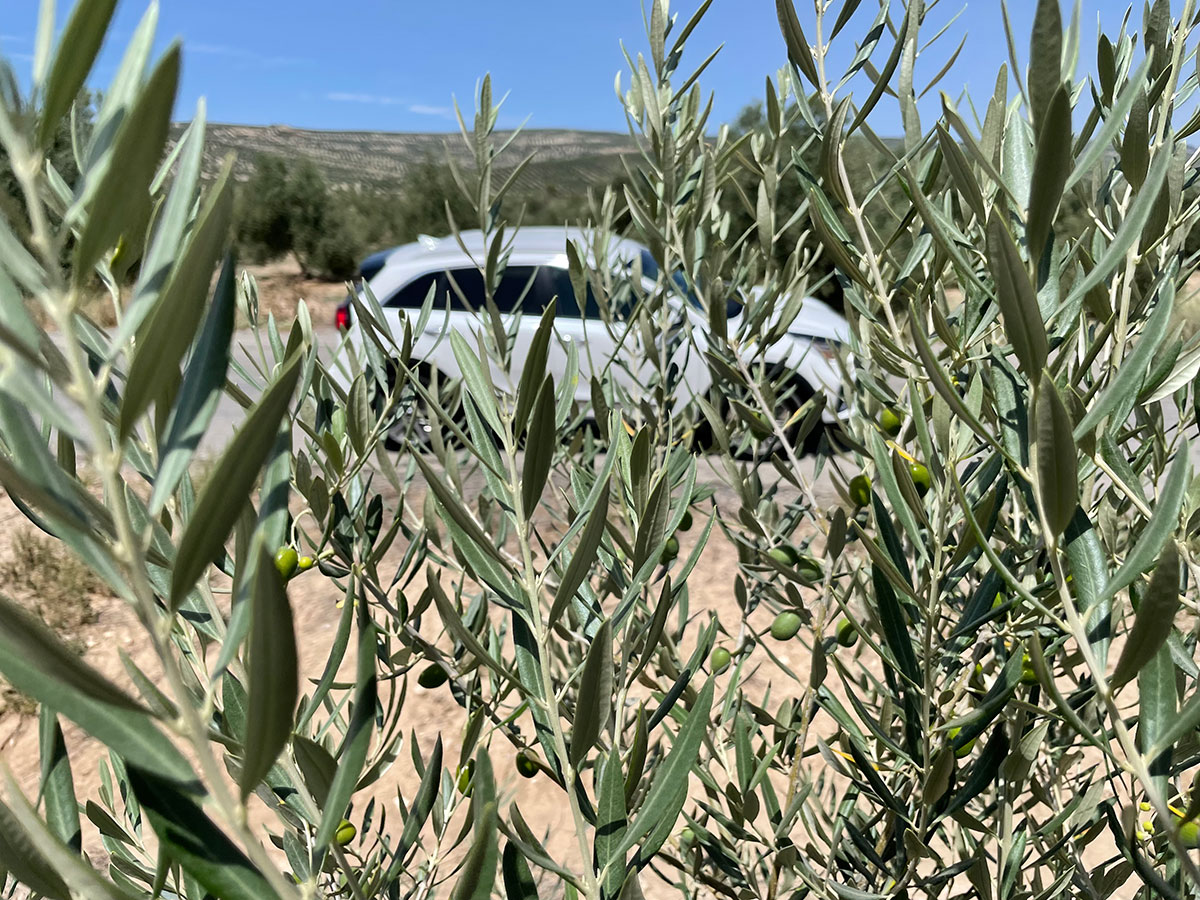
[(538, 240)]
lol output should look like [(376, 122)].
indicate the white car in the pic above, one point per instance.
[(537, 271)]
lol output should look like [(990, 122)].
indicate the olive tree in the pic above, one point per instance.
[(999, 693)]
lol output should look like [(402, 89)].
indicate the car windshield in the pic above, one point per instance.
[(650, 270)]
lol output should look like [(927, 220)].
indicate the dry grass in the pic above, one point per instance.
[(43, 575)]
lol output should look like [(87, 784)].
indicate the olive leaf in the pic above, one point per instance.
[(221, 501), (1154, 619), (594, 702), (1058, 485), (273, 680), (1018, 303), (200, 846)]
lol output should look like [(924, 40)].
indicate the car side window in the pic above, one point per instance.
[(517, 289), (558, 283), (527, 288), (413, 294)]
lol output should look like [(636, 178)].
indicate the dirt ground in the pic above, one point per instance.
[(429, 713), (281, 285)]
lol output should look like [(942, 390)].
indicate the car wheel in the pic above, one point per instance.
[(410, 419), (743, 447)]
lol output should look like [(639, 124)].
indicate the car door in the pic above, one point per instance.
[(517, 292), (584, 329)]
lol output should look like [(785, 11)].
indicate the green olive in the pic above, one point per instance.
[(780, 555), (860, 490), (687, 838), (1028, 674), (305, 563), (719, 660), (670, 550), (809, 569), (345, 833), (965, 749), (432, 676), (847, 635), (890, 422), (465, 776), (686, 522), (920, 477), (784, 554), (527, 766), (286, 561), (786, 626), (1189, 833)]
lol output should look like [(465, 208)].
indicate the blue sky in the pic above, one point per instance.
[(395, 65)]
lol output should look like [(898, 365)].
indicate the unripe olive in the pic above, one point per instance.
[(686, 522), (432, 676), (305, 563), (687, 838), (465, 776), (847, 635), (670, 550), (345, 833), (785, 555), (719, 660), (785, 626), (890, 422), (920, 477), (781, 555), (1028, 675), (1189, 833), (527, 767), (286, 561), (860, 490), (965, 749), (809, 569)]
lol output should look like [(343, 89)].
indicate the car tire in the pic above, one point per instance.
[(793, 396), (411, 419)]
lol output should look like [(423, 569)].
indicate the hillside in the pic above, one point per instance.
[(377, 157)]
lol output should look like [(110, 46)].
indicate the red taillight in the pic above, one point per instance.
[(341, 318)]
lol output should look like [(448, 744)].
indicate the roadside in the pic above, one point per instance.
[(281, 286)]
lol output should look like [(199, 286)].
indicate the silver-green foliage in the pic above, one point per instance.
[(1016, 683)]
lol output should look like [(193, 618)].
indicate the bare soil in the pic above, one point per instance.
[(281, 287), (114, 630), (432, 713)]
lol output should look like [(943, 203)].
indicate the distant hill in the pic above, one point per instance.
[(381, 158)]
